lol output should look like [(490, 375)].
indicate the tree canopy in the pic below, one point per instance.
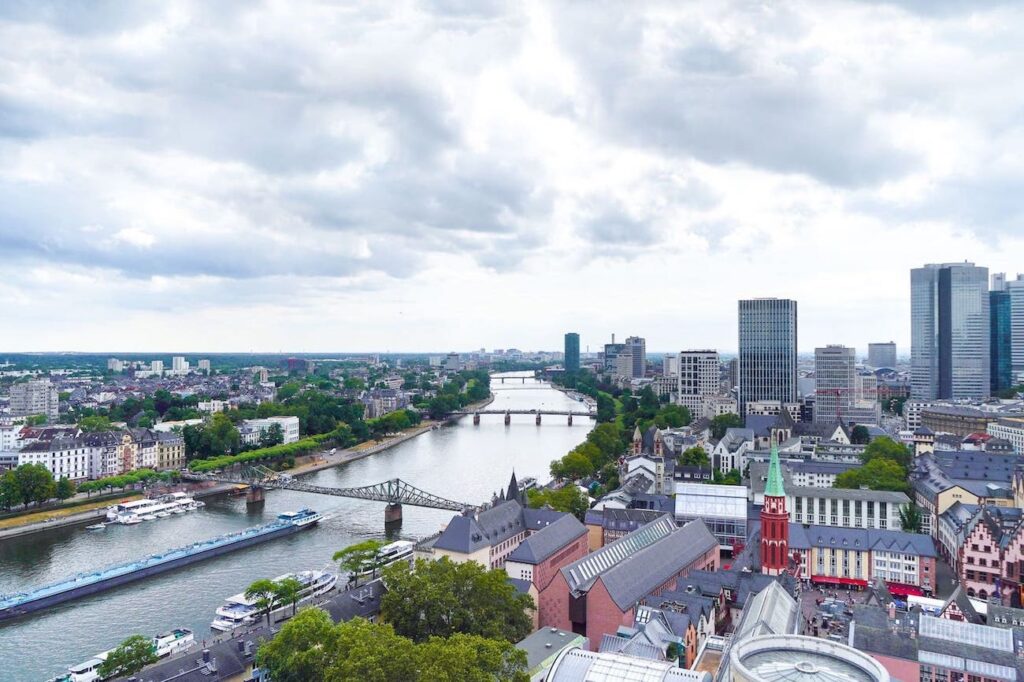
[(358, 557), (695, 456), (887, 448), (568, 498), (25, 484), (441, 598), (722, 422), (310, 648), (878, 474), (130, 656)]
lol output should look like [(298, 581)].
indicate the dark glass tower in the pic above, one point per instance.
[(572, 353), (1001, 343), (767, 345)]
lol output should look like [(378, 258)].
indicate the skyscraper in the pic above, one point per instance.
[(698, 378), (637, 347), (1016, 290), (767, 350), (572, 353), (1000, 340), (835, 378), (949, 335), (882, 354), (611, 354)]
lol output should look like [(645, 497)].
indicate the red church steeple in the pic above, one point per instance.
[(774, 520)]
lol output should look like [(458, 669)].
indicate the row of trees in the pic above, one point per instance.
[(392, 422), (596, 455), (342, 436), (144, 412), (266, 595), (131, 479), (32, 483)]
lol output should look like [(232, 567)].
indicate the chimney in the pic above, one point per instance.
[(613, 338), (892, 610), (206, 655), (241, 646)]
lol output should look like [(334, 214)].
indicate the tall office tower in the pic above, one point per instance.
[(1000, 340), (882, 355), (949, 331), (37, 396), (835, 383), (638, 349), (998, 281), (572, 353), (611, 355), (670, 365), (1016, 289), (767, 357), (698, 378)]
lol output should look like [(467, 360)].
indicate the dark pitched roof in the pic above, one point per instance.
[(466, 534), (805, 537), (548, 540)]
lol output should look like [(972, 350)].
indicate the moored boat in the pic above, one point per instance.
[(97, 526), (238, 610)]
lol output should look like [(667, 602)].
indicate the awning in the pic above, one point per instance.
[(832, 580), (902, 590)]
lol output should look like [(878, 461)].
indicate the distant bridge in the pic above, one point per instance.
[(394, 492), (538, 413)]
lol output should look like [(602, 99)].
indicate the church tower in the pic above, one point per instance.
[(774, 520)]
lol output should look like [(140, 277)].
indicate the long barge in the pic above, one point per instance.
[(84, 584)]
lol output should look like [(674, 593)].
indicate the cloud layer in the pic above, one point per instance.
[(432, 175)]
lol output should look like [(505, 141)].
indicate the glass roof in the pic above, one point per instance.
[(966, 633)]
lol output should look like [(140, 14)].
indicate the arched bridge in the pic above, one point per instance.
[(394, 492), (538, 414)]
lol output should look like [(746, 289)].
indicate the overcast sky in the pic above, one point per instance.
[(460, 174)]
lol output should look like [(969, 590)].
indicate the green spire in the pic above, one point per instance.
[(773, 488)]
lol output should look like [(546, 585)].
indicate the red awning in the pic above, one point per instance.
[(831, 580), (901, 590)]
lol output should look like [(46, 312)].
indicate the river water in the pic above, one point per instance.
[(461, 462)]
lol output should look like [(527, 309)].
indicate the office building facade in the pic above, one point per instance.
[(1000, 340), (37, 396), (572, 353), (698, 378), (882, 354), (949, 354), (637, 348), (767, 350), (1016, 290), (835, 378)]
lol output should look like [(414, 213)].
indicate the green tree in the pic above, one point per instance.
[(878, 474), (130, 656), (35, 482), (305, 650), (287, 591), (731, 477), (724, 421), (440, 598), (10, 490), (672, 417), (263, 594), (568, 498), (860, 435), (695, 456), (95, 423), (470, 658), (359, 557), (887, 448), (572, 466), (65, 489), (911, 518), (274, 435)]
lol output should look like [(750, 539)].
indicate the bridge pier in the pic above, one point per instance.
[(476, 419), (570, 420), (508, 418), (392, 514), (254, 495), (538, 419)]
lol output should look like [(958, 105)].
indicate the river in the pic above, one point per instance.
[(465, 462)]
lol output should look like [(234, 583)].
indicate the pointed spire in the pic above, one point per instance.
[(513, 489), (773, 487)]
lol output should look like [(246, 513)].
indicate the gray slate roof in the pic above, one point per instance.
[(849, 494), (804, 537), (548, 540)]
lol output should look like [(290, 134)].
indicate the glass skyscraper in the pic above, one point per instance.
[(1000, 342), (835, 371), (949, 331), (572, 353), (767, 350)]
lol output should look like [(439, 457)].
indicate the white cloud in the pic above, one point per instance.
[(428, 175)]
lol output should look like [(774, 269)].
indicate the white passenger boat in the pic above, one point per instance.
[(239, 611), (164, 644), (97, 526), (147, 510)]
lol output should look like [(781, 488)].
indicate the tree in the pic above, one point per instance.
[(287, 591), (304, 650), (722, 422), (274, 435), (860, 435), (10, 490), (440, 598), (695, 456), (130, 656), (470, 658), (263, 594), (572, 466), (65, 489), (35, 482), (911, 518), (887, 448), (672, 416), (358, 557), (95, 423), (568, 498), (731, 477), (878, 474)]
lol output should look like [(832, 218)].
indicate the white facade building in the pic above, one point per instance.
[(157, 367), (289, 427), (204, 365), (36, 396), (697, 378), (179, 364), (844, 507)]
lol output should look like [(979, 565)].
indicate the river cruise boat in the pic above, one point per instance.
[(400, 550), (164, 644), (239, 611), (147, 510)]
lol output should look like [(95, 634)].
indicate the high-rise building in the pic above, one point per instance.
[(611, 355), (835, 379), (156, 366), (1016, 291), (204, 365), (572, 353), (882, 354), (767, 350), (698, 378), (637, 348), (36, 396), (179, 364), (949, 335), (670, 365), (1000, 340)]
